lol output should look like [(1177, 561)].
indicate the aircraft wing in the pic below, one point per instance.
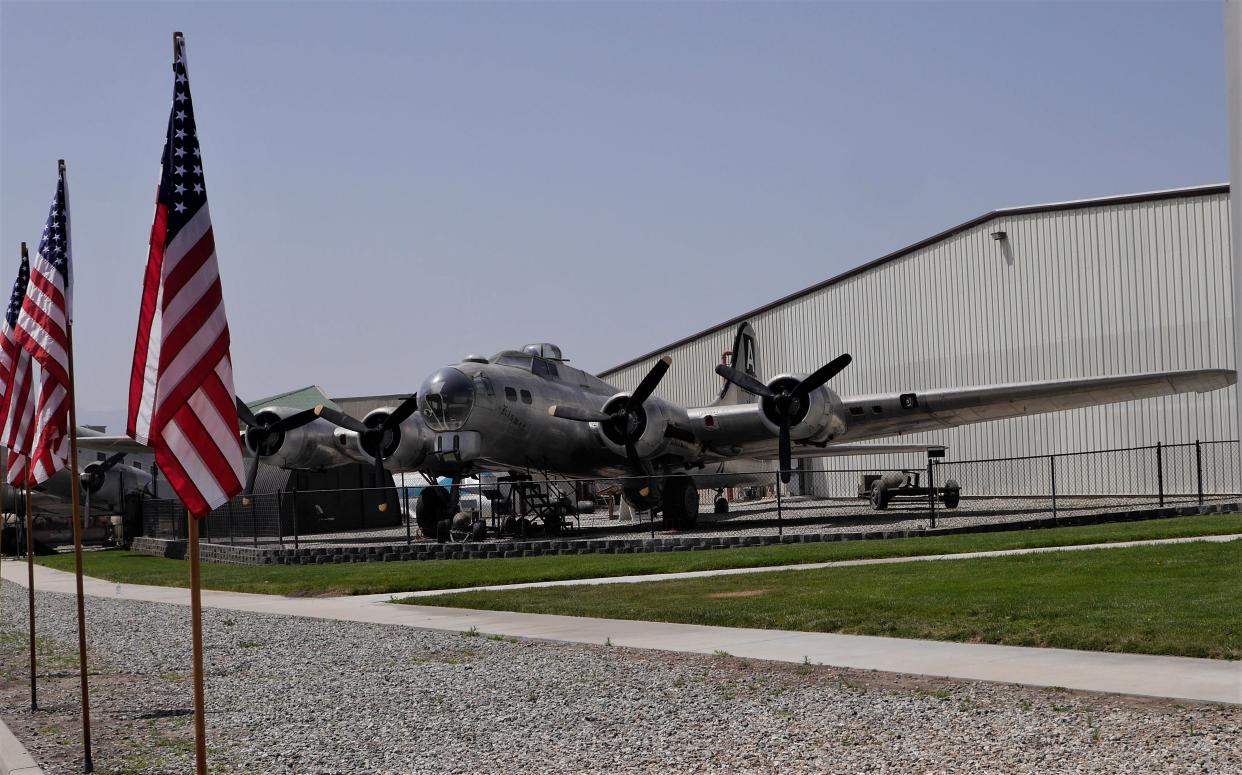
[(102, 443), (737, 431), (877, 416)]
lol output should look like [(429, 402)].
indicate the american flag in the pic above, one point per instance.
[(16, 378), (42, 330), (181, 399)]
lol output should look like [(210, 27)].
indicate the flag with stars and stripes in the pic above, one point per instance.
[(181, 399), (16, 378), (42, 328)]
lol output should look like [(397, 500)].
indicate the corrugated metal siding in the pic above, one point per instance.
[(1114, 289)]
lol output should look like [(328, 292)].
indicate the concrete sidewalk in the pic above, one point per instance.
[(1169, 677), (14, 759)]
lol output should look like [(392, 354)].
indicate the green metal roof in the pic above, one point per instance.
[(303, 398)]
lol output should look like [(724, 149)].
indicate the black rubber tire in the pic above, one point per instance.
[(431, 507), (721, 505), (879, 495), (478, 531), (952, 494), (681, 503), (444, 531)]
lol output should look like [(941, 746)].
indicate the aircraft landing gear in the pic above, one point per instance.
[(432, 508), (721, 504), (681, 503)]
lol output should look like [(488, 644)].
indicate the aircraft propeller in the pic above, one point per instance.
[(788, 401), (260, 435), (625, 422), (374, 439), (92, 478)]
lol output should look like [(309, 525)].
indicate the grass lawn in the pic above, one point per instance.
[(1155, 600), (357, 579)]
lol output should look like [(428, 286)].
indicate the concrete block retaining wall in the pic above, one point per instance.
[(321, 555)]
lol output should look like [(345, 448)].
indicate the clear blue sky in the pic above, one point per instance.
[(395, 185)]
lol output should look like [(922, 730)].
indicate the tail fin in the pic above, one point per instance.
[(744, 356)]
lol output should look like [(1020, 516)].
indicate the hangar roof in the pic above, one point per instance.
[(1075, 204)]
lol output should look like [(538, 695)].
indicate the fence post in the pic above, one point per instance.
[(1052, 471), (780, 510), (254, 523), (405, 500), (1160, 472), (231, 539), (931, 493), (1199, 470), (295, 518)]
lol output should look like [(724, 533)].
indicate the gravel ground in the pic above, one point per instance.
[(289, 695)]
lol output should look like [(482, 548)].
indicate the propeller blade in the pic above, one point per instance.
[(294, 421), (639, 466), (111, 462), (822, 375), (379, 477), (744, 381), (379, 469), (786, 456), (244, 413), (340, 419), (649, 384), (251, 475), (407, 407), (574, 413)]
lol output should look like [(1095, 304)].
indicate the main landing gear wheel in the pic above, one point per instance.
[(444, 531), (432, 507), (952, 494), (879, 495), (681, 503)]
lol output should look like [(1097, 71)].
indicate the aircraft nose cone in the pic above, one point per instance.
[(445, 399)]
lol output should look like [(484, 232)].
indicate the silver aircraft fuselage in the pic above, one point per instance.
[(492, 414)]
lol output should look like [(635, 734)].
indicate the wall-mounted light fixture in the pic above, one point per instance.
[(999, 235)]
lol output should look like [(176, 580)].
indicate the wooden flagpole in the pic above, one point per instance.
[(75, 497), (196, 634), (34, 691)]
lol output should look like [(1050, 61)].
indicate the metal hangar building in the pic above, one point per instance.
[(1094, 287)]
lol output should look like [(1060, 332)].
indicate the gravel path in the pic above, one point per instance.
[(289, 695)]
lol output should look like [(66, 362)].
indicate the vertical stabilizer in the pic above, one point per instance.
[(745, 357)]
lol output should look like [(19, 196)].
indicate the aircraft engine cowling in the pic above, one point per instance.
[(654, 432), (819, 419), (408, 444), (309, 447)]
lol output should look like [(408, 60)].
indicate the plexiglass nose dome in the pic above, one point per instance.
[(445, 399)]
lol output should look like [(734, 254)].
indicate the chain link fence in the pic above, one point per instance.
[(943, 493)]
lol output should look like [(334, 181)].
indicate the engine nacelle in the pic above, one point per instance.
[(408, 445), (310, 446), (660, 429), (820, 419)]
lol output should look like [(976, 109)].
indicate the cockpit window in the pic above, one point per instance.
[(542, 368), (445, 399), (516, 361)]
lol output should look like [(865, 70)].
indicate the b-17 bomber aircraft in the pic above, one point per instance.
[(529, 409)]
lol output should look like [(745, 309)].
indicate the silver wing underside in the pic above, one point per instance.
[(740, 432), (952, 407)]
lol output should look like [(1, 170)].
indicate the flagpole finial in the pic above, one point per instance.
[(60, 165), (25, 254)]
